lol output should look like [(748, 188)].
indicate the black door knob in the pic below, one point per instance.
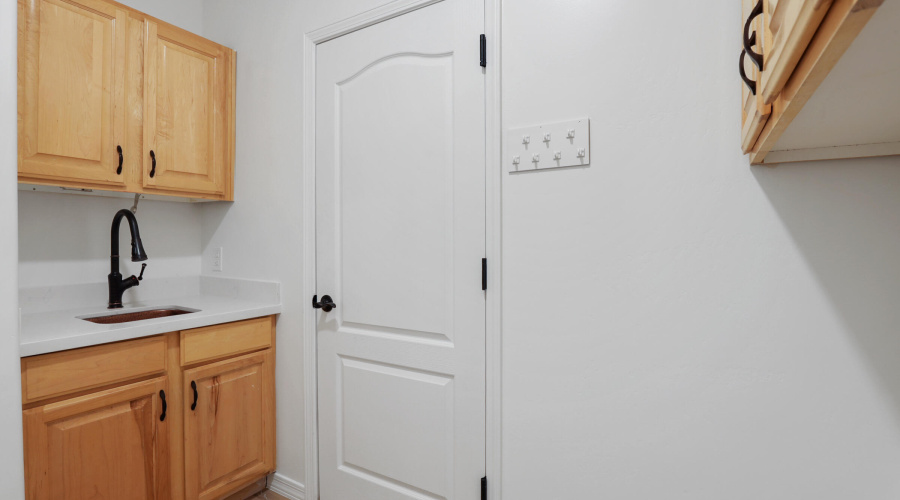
[(326, 305)]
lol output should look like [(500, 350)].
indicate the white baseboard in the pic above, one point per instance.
[(287, 487)]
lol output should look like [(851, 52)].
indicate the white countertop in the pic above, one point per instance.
[(50, 315)]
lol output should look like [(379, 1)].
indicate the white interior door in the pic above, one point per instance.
[(400, 228)]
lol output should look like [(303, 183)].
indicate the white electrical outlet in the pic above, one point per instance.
[(217, 260)]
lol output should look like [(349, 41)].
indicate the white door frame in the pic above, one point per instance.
[(493, 162)]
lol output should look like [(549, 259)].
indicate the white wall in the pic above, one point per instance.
[(261, 231), (12, 479), (677, 324), (64, 239)]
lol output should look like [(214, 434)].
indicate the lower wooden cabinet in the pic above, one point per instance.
[(229, 426), (107, 445), (150, 436)]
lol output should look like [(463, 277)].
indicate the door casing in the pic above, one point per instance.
[(493, 184)]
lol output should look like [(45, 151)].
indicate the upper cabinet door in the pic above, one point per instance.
[(790, 26), (188, 113), (229, 424), (71, 91), (107, 445)]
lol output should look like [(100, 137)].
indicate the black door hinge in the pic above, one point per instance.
[(484, 274), (483, 51), (484, 488)]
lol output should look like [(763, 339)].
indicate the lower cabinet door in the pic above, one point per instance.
[(110, 445), (229, 426)]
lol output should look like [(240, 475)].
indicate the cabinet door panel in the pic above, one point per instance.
[(791, 26), (71, 94), (186, 110), (104, 446), (229, 436)]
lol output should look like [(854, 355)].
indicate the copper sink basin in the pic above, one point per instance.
[(128, 317)]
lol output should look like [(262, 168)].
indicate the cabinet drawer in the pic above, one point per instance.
[(219, 341), (61, 373)]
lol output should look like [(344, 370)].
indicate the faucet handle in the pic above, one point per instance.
[(143, 266)]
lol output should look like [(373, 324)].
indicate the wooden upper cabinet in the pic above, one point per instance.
[(96, 76), (107, 445), (187, 103), (229, 434), (805, 102), (71, 91)]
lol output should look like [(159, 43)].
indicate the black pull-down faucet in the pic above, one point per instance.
[(117, 285)]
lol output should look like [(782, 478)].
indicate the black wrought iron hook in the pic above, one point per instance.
[(750, 39), (750, 83)]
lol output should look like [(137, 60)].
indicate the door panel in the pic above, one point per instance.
[(414, 231), (415, 448), (71, 98), (229, 436), (185, 105), (109, 445), (400, 211)]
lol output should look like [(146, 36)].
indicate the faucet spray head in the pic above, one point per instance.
[(137, 250)]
